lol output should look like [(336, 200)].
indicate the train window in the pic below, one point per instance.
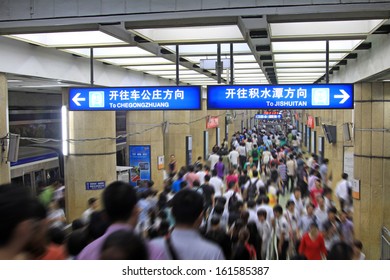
[(52, 175), (25, 180)]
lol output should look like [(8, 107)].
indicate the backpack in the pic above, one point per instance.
[(232, 201), (255, 154), (252, 190)]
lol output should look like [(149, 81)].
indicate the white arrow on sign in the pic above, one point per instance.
[(344, 96), (76, 99)]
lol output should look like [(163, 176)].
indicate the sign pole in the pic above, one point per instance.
[(177, 65), (231, 64), (91, 65), (219, 66), (327, 62)]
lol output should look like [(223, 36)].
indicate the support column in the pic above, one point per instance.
[(372, 164), (5, 172), (196, 130), (146, 129), (88, 161), (175, 139)]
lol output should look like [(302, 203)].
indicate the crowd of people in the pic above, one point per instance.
[(255, 197)]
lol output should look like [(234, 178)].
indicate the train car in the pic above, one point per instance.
[(37, 164)]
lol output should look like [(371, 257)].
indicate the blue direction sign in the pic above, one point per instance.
[(268, 117), (315, 96), (135, 98)]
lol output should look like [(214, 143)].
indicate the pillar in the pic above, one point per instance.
[(197, 126), (175, 138), (145, 128), (372, 164), (88, 161), (5, 173)]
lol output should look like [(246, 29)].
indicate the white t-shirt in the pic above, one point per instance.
[(342, 190), (233, 157), (228, 195), (217, 184), (213, 158), (201, 175)]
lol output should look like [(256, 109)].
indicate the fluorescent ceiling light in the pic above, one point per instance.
[(171, 72), (69, 39), (155, 67), (308, 56), (244, 75), (323, 28), (302, 75), (301, 70), (304, 64), (110, 52), (246, 65), (137, 61), (237, 58), (315, 46), (184, 76), (192, 34), (248, 71), (199, 49)]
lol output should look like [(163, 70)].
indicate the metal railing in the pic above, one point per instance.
[(385, 244)]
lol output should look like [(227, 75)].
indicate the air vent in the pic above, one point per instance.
[(351, 56), (364, 46), (257, 34), (263, 48), (265, 57)]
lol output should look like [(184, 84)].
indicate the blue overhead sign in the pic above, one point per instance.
[(315, 96), (268, 117), (135, 98)]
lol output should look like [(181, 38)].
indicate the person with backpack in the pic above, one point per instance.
[(252, 186), (232, 195), (255, 155)]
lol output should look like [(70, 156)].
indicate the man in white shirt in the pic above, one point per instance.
[(92, 207), (201, 173), (343, 191), (296, 197), (213, 158), (281, 231), (262, 204), (233, 158), (231, 190), (217, 183), (321, 213)]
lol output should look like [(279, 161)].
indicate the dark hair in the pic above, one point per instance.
[(255, 173), (183, 184), (344, 176), (77, 224), (277, 208), (91, 201), (124, 245), (187, 205), (263, 199), (214, 172), (290, 202), (231, 185), (76, 242), (219, 208), (340, 251), (14, 209), (251, 203), (215, 220), (119, 199), (56, 235), (207, 178), (262, 213)]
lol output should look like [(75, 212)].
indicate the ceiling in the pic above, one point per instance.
[(263, 52)]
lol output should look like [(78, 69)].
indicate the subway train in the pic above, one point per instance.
[(44, 162)]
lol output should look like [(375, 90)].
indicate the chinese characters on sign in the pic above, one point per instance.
[(321, 96), (135, 98)]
